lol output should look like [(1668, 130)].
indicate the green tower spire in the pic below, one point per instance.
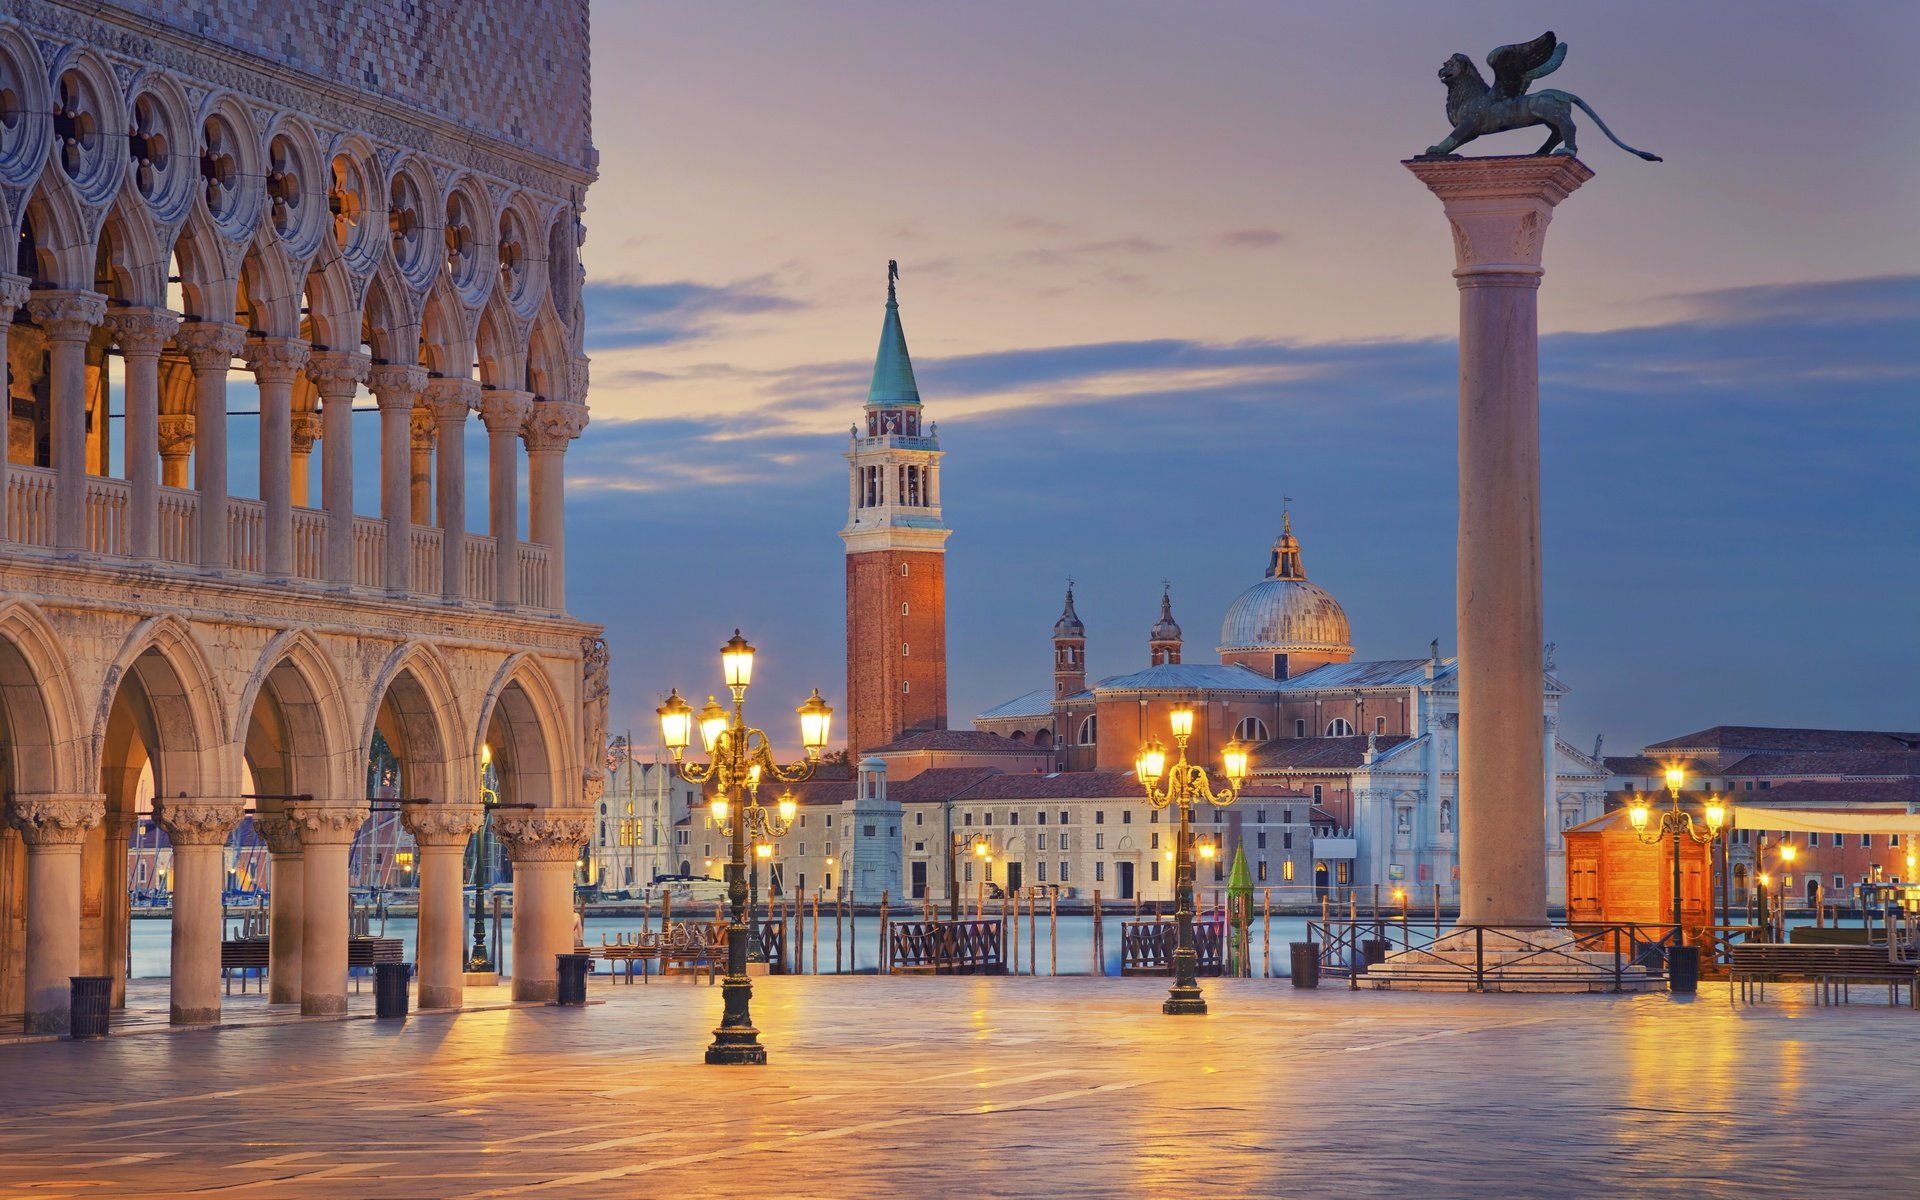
[(893, 385)]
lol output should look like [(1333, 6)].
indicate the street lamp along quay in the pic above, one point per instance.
[(741, 757), (1676, 823), (1185, 784)]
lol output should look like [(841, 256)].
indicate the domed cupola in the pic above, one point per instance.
[(1284, 625), (1069, 626)]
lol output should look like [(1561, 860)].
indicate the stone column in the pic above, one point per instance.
[(396, 389), (176, 448), (67, 318), (54, 828), (114, 908), (452, 401), (549, 427), (210, 347), (336, 375), (442, 831), (420, 429), (306, 431), (1498, 209), (13, 294), (141, 334), (274, 362), (503, 413), (544, 845), (326, 835), (288, 883), (198, 831)]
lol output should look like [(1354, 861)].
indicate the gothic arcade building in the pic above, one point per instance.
[(369, 211)]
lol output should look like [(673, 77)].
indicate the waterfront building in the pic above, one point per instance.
[(633, 830), (360, 212)]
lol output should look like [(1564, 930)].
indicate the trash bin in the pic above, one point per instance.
[(1373, 952), (573, 978), (1306, 964), (1683, 969), (390, 988), (91, 1001)]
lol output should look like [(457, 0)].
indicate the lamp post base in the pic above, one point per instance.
[(736, 1048), (1184, 1002)]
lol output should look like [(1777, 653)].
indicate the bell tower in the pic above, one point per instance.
[(896, 556)]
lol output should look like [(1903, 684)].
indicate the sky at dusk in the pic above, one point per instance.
[(1160, 266)]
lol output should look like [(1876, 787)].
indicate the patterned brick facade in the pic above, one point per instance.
[(896, 645)]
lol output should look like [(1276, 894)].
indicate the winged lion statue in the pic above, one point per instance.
[(1476, 109)]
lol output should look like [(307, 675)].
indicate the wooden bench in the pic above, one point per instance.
[(1831, 968), (248, 956), (682, 944)]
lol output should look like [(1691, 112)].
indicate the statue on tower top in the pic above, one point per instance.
[(1474, 109)]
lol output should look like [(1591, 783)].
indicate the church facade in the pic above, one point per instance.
[(1372, 744)]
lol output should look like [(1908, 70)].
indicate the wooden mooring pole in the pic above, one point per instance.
[(1053, 933)]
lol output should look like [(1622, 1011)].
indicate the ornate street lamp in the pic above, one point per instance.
[(1788, 852), (480, 959), (980, 849), (1185, 784), (1677, 824), (741, 758)]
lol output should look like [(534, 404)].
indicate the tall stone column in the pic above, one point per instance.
[(544, 845), (503, 413), (420, 431), (288, 894), (115, 911), (13, 295), (54, 828), (550, 427), (67, 318), (337, 375), (275, 362), (441, 831), (397, 389), (142, 333), (1498, 209), (452, 402), (326, 836), (198, 831), (306, 431), (211, 347)]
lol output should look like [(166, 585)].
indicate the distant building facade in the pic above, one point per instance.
[(633, 833)]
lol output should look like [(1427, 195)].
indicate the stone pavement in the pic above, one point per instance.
[(997, 1088)]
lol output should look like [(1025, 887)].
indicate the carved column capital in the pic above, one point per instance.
[(211, 345), (441, 824), (336, 374), (452, 400), (67, 316), (278, 832), (197, 822), (325, 824), (1499, 207), (504, 412), (420, 427), (277, 359), (306, 431), (55, 820), (13, 294), (551, 424), (396, 386), (176, 433), (143, 330), (544, 835)]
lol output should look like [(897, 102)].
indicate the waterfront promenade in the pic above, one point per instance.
[(1004, 1087)]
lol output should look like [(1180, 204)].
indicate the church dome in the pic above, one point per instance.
[(1284, 613)]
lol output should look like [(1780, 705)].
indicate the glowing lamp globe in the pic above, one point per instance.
[(713, 723), (1676, 778), (787, 807), (676, 726), (1237, 759), (1181, 721), (816, 718), (736, 661), (1637, 813), (1151, 763)]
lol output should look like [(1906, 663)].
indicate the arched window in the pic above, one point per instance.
[(1043, 738), (1251, 729), (1380, 725), (1019, 735), (1089, 729), (1339, 727)]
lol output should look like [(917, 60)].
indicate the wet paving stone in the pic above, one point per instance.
[(993, 1088)]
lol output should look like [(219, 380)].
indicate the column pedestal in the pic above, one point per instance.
[(442, 833), (544, 845), (54, 828), (198, 831), (1498, 209), (326, 835), (287, 891)]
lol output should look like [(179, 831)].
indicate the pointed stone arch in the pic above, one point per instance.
[(500, 346), (133, 250), (179, 709), (548, 361), (58, 233), (523, 719), (271, 288), (415, 706), (39, 711), (446, 331), (390, 318), (292, 722)]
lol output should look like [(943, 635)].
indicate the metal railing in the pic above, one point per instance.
[(1610, 956)]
